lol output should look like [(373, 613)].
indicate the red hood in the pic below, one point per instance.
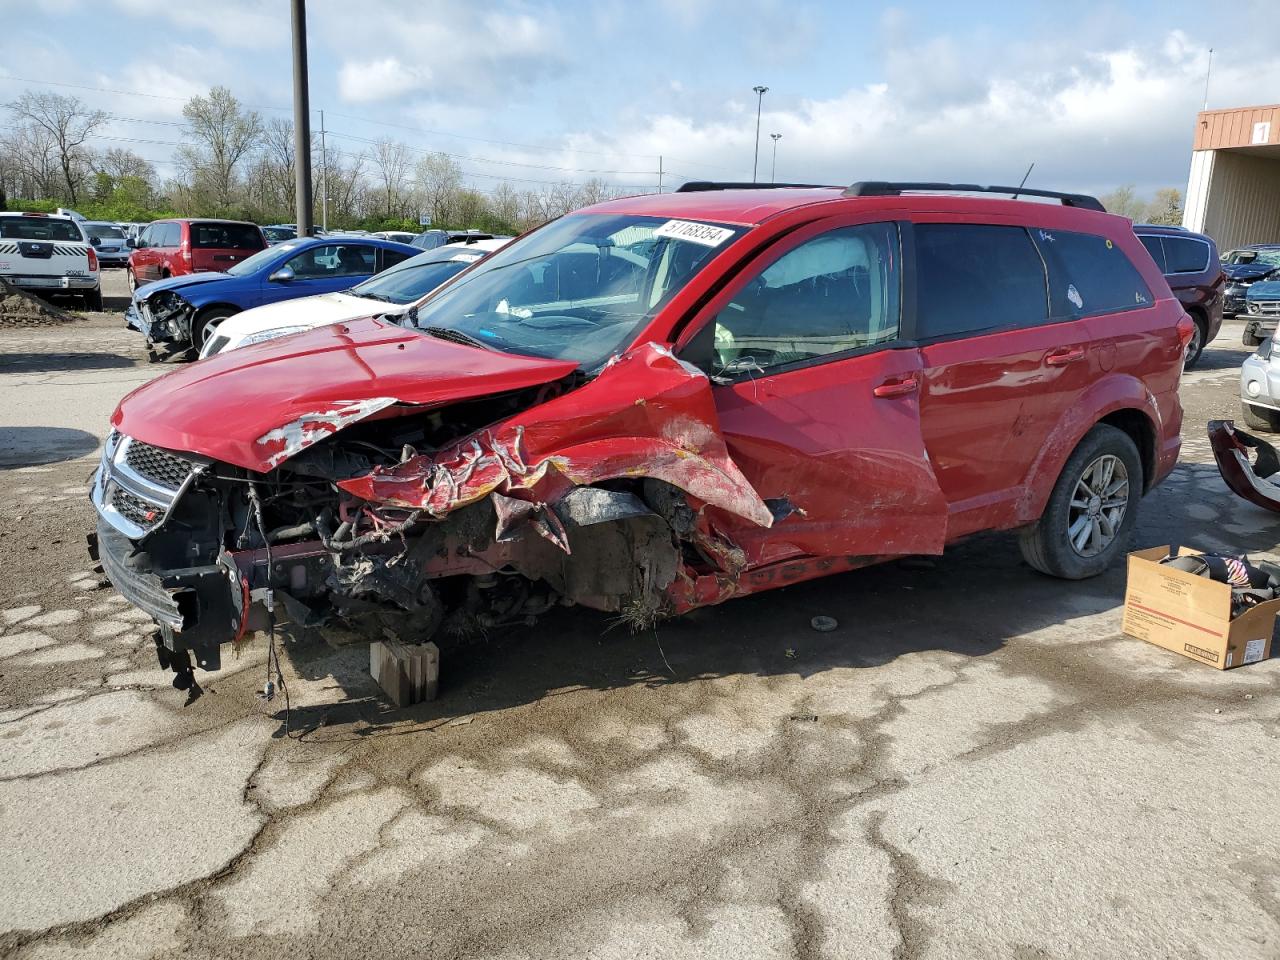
[(301, 388)]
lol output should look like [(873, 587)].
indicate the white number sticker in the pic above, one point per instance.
[(701, 233)]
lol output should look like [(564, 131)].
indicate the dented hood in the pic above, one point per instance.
[(255, 406)]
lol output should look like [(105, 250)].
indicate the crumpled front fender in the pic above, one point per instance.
[(648, 414)]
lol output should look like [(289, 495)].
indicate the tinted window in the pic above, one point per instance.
[(1156, 250), (391, 257), (39, 228), (104, 231), (1186, 255), (410, 283), (972, 278), (333, 260), (168, 235), (225, 236), (1090, 275), (836, 292)]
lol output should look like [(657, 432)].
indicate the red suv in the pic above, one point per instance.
[(173, 248), (660, 403)]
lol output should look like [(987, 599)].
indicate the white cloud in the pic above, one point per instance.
[(382, 79), (250, 24)]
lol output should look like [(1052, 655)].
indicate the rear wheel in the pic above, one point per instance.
[(1196, 346), (93, 301), (1086, 524), (133, 280), (1261, 418)]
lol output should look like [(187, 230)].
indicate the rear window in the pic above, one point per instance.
[(39, 228), (972, 278), (1185, 255), (226, 236), (1089, 275), (103, 231)]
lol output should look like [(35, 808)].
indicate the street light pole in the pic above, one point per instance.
[(301, 121), (773, 173), (760, 92)]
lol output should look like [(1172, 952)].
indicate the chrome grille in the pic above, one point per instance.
[(1264, 308), (136, 510), (159, 466)]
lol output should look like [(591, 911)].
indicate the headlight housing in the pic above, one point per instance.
[(1254, 307), (270, 334)]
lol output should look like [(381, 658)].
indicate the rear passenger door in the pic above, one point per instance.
[(1001, 367), (816, 393)]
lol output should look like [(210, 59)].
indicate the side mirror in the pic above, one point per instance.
[(130, 243), (283, 275)]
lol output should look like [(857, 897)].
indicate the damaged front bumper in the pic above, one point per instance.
[(164, 318), (1247, 478)]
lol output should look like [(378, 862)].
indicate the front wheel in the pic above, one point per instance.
[(131, 278), (1196, 346), (1261, 418), (1086, 524), (206, 326)]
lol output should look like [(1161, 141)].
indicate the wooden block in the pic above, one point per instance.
[(407, 673)]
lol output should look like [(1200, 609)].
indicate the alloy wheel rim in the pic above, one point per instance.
[(1098, 505), (209, 329), (1193, 346)]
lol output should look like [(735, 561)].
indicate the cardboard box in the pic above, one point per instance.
[(1191, 615)]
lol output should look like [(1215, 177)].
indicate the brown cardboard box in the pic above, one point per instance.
[(1191, 615)]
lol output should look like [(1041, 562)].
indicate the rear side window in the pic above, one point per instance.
[(973, 278), (1089, 275), (226, 236), (391, 257), (39, 228), (1156, 249), (1186, 255)]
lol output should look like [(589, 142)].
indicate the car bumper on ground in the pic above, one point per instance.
[(1250, 480)]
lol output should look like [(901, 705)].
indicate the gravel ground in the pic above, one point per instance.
[(974, 764)]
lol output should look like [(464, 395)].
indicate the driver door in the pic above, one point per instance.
[(817, 395)]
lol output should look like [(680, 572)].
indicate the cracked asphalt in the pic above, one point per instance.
[(975, 763)]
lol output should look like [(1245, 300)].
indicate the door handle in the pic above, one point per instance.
[(899, 387), (1060, 358)]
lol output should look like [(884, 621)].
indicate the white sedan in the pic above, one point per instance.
[(394, 291)]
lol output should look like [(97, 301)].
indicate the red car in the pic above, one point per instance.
[(656, 404), (174, 248)]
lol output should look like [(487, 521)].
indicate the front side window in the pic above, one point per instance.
[(974, 278), (1089, 275), (1186, 255), (833, 293), (332, 260), (170, 235), (579, 288)]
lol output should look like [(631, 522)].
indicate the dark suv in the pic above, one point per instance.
[(1189, 261), (1244, 267), (660, 403)]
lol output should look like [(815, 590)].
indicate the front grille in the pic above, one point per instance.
[(1264, 308), (159, 466), (136, 510)]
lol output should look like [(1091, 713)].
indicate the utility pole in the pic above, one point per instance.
[(1207, 74), (760, 92), (659, 174), (773, 173), (324, 179), (301, 121)]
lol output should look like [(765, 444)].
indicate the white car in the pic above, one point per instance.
[(49, 253), (399, 236), (395, 291)]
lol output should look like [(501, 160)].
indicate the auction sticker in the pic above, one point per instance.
[(702, 233)]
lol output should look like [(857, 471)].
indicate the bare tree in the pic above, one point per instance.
[(225, 133), (1166, 208), (391, 159), (439, 180), (1124, 202), (68, 123), (118, 163), (504, 206)]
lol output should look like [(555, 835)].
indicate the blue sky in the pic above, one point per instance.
[(1097, 94)]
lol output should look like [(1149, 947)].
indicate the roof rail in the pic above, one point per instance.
[(880, 188), (702, 186)]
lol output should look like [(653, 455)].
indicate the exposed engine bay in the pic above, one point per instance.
[(411, 524)]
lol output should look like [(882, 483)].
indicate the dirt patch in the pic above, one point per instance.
[(20, 309)]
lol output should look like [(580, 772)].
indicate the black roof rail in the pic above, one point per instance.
[(881, 188), (702, 186)]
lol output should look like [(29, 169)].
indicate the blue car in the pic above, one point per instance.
[(179, 314)]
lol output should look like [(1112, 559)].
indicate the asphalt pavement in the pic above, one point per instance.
[(975, 763)]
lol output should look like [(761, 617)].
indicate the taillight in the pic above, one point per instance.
[(93, 261), (186, 252), (1186, 327)]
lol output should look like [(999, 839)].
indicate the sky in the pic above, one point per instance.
[(1096, 94)]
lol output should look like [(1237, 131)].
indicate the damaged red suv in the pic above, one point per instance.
[(656, 404)]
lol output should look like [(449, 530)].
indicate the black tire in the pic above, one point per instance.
[(131, 278), (1196, 346), (93, 301), (206, 322), (1261, 418), (1250, 339), (1047, 546)]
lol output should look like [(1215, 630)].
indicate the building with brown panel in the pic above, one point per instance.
[(1233, 192)]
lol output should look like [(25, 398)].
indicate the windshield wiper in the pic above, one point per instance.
[(456, 336), (370, 296)]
